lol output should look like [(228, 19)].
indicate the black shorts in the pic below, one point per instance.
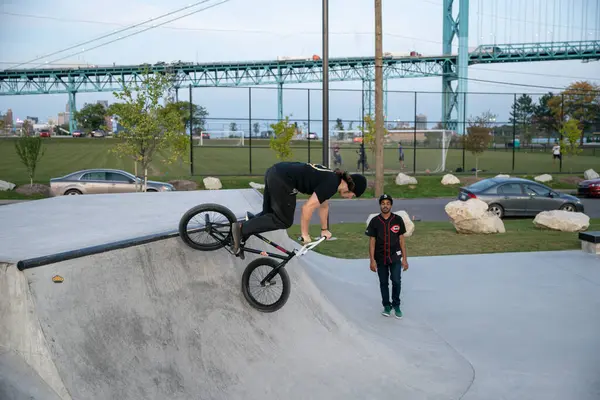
[(556, 156)]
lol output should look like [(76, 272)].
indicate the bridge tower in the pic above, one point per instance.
[(455, 100)]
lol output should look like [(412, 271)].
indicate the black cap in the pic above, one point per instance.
[(386, 197), (360, 184)]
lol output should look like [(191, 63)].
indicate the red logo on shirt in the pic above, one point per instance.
[(395, 228)]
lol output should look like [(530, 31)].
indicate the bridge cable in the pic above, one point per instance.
[(143, 30), (113, 33)]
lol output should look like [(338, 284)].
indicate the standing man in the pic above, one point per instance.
[(387, 251)]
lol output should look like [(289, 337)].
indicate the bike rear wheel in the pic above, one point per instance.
[(254, 292), (213, 220)]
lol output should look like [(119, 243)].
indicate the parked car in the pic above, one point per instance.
[(95, 181), (589, 188), (519, 197)]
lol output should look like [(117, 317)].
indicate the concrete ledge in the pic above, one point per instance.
[(590, 242)]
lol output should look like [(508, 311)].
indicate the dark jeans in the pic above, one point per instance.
[(279, 205), (387, 272)]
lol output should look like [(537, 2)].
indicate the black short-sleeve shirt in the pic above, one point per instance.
[(310, 178), (387, 237)]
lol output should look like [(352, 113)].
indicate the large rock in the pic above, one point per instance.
[(6, 185), (543, 178), (472, 216), (410, 226), (560, 220), (212, 183), (184, 185), (450, 179), (403, 179), (257, 186), (590, 174)]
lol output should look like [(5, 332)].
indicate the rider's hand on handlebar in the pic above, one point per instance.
[(326, 234)]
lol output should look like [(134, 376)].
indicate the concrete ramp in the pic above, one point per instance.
[(164, 321)]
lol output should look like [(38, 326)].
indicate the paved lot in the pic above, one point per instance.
[(424, 209)]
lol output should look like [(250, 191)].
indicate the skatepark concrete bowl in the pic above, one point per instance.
[(160, 320)]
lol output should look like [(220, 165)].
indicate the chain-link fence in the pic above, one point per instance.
[(527, 132)]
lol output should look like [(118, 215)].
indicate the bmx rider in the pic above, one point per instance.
[(282, 182)]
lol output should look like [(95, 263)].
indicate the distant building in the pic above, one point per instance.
[(103, 102), (421, 121)]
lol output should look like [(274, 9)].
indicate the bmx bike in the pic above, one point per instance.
[(219, 228)]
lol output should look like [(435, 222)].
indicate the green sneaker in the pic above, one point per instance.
[(398, 312), (386, 311)]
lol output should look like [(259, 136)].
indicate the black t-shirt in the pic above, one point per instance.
[(387, 237), (310, 178)]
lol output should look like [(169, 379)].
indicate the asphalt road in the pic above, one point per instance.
[(423, 209)]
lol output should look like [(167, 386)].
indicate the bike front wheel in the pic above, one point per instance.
[(211, 220), (257, 294)]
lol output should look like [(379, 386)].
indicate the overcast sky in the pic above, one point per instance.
[(240, 30)]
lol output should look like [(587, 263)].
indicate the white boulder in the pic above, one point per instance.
[(403, 179), (212, 183), (472, 216), (410, 226), (6, 185), (257, 186), (560, 220), (590, 174), (450, 179), (543, 178), (502, 176)]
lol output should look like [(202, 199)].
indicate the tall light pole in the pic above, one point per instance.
[(325, 83), (378, 100)]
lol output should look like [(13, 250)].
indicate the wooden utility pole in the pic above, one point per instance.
[(379, 183)]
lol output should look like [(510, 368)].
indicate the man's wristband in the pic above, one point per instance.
[(324, 229)]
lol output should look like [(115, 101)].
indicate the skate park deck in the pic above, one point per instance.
[(161, 320)]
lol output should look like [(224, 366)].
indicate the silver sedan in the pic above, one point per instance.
[(96, 181), (519, 197)]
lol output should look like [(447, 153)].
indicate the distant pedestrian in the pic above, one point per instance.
[(387, 252), (401, 154), (555, 152)]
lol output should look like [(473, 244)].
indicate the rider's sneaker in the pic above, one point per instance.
[(398, 312), (236, 231), (386, 311)]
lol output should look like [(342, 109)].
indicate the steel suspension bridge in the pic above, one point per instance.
[(450, 67)]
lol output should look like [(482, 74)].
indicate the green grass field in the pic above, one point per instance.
[(224, 157), (521, 235), (65, 155)]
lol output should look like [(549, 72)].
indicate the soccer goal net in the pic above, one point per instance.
[(221, 138)]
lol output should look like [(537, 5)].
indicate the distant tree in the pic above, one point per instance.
[(91, 117), (256, 129), (183, 108), (280, 142), (487, 119), (522, 115), (27, 128), (233, 127), (30, 150), (149, 127), (543, 117), (479, 135), (339, 126), (571, 134), (580, 101), (369, 132)]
